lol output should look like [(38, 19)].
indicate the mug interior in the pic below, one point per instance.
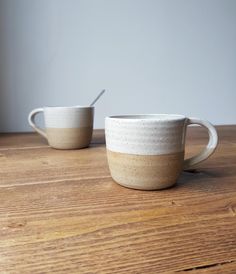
[(148, 117)]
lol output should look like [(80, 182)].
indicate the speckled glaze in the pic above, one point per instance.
[(147, 151), (146, 135), (66, 127)]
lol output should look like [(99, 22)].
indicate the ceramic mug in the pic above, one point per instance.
[(65, 127), (147, 151)]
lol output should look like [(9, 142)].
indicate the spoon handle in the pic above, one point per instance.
[(99, 95)]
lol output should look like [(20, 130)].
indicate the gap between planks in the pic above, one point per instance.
[(205, 266)]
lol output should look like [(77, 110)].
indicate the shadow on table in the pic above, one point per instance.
[(205, 178)]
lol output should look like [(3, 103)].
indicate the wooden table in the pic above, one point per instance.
[(61, 212)]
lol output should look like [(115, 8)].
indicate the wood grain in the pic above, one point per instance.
[(60, 212)]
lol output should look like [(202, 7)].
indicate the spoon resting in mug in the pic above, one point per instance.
[(97, 98)]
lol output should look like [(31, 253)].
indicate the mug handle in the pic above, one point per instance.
[(31, 120), (211, 146)]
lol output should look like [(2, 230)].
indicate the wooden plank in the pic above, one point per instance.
[(42, 165), (61, 212), (31, 166), (34, 163), (33, 140), (96, 225)]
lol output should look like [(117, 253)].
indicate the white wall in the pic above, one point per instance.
[(153, 56)]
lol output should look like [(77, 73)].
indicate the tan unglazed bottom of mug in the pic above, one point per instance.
[(147, 172), (69, 138)]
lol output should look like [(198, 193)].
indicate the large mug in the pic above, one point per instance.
[(147, 151), (65, 127)]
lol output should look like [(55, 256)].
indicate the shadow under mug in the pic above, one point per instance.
[(147, 151), (65, 127)]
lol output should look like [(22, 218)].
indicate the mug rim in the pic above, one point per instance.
[(148, 117), (69, 107)]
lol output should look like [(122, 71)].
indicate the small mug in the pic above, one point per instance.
[(147, 151), (65, 127)]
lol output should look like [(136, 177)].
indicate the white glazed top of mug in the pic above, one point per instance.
[(151, 134), (68, 117)]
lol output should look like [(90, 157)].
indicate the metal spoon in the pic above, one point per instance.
[(99, 95)]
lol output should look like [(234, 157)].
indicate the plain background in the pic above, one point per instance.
[(152, 56)]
